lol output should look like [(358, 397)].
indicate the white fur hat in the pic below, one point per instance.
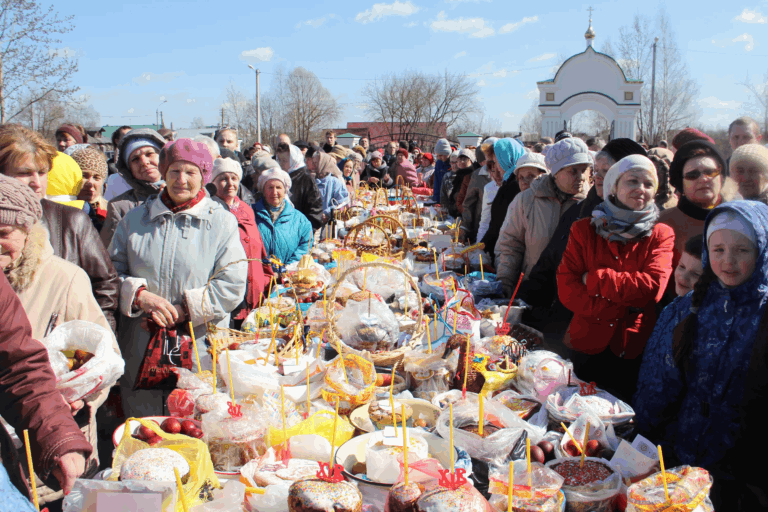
[(222, 165)]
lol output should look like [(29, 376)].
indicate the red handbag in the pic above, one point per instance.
[(168, 348)]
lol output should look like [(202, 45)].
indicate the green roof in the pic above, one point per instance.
[(347, 136), (469, 134)]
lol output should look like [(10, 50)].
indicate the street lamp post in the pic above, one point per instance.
[(157, 114), (258, 106)]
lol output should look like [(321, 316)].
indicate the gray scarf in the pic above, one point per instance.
[(275, 211), (618, 224)]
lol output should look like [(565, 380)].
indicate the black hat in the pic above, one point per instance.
[(619, 148), (686, 152), (301, 144), (562, 134)]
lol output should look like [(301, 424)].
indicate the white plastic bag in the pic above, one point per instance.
[(368, 325), (541, 373), (100, 373), (85, 494)]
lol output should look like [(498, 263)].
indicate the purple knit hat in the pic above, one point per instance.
[(187, 150)]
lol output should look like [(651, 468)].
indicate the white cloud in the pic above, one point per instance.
[(463, 1), (748, 39), (191, 100), (258, 55), (147, 78), (411, 24), (481, 83), (542, 57), (316, 23), (511, 27), (509, 115), (475, 27), (748, 16), (460, 54), (379, 11), (713, 102), (532, 94), (130, 110), (501, 73)]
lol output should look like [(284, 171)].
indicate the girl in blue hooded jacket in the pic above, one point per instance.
[(702, 386)]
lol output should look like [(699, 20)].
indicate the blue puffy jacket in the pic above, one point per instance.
[(699, 413), (288, 237), (334, 193)]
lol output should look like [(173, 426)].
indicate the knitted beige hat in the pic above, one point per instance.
[(750, 154), (19, 204)]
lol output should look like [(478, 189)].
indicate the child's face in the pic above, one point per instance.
[(733, 257), (687, 273)]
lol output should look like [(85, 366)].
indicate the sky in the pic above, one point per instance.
[(135, 55)]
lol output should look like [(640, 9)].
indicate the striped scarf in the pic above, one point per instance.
[(617, 224)]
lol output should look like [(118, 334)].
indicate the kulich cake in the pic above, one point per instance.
[(316, 495), (441, 499), (381, 413), (155, 464), (211, 402), (236, 442), (403, 498)]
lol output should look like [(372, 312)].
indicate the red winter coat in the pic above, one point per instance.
[(258, 273), (616, 307), (29, 398)]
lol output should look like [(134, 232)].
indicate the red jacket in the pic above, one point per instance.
[(258, 273), (616, 307), (28, 395)]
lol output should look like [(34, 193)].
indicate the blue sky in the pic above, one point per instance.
[(134, 54)]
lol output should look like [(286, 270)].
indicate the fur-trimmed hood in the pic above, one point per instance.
[(36, 252)]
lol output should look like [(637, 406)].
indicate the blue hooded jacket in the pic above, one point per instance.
[(288, 237), (698, 414), (441, 168)]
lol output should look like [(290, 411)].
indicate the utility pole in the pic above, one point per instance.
[(258, 105), (157, 115), (653, 93)]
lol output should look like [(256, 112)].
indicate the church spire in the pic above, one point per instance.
[(589, 35)]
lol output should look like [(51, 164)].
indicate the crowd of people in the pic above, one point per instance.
[(646, 266)]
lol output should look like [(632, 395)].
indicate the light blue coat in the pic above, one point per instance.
[(334, 193), (288, 237), (174, 256)]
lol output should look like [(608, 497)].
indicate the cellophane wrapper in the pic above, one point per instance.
[(233, 442), (688, 491), (544, 482)]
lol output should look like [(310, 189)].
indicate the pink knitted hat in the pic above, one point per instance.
[(187, 150)]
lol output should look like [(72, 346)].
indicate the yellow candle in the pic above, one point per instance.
[(453, 462), (269, 294), (392, 397), (482, 274), (365, 277), (435, 322), (455, 317), (528, 457), (31, 469), (511, 487), (405, 443), (466, 366), (482, 418), (215, 357), (578, 445), (282, 414), (429, 341), (663, 473), (194, 347), (180, 487), (309, 402), (406, 296), (333, 437), (229, 370), (437, 272), (584, 444)]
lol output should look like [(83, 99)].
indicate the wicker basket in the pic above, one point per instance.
[(386, 359), (356, 239)]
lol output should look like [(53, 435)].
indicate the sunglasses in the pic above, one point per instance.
[(694, 175)]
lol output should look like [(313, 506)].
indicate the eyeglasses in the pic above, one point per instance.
[(694, 175)]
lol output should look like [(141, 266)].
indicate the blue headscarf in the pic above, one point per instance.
[(507, 152)]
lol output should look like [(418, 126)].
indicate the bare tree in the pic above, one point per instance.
[(31, 67), (236, 107), (675, 90), (415, 104), (310, 104), (53, 109), (531, 121), (197, 122), (760, 94), (480, 123)]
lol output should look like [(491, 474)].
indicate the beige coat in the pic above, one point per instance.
[(530, 222), (47, 284)]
